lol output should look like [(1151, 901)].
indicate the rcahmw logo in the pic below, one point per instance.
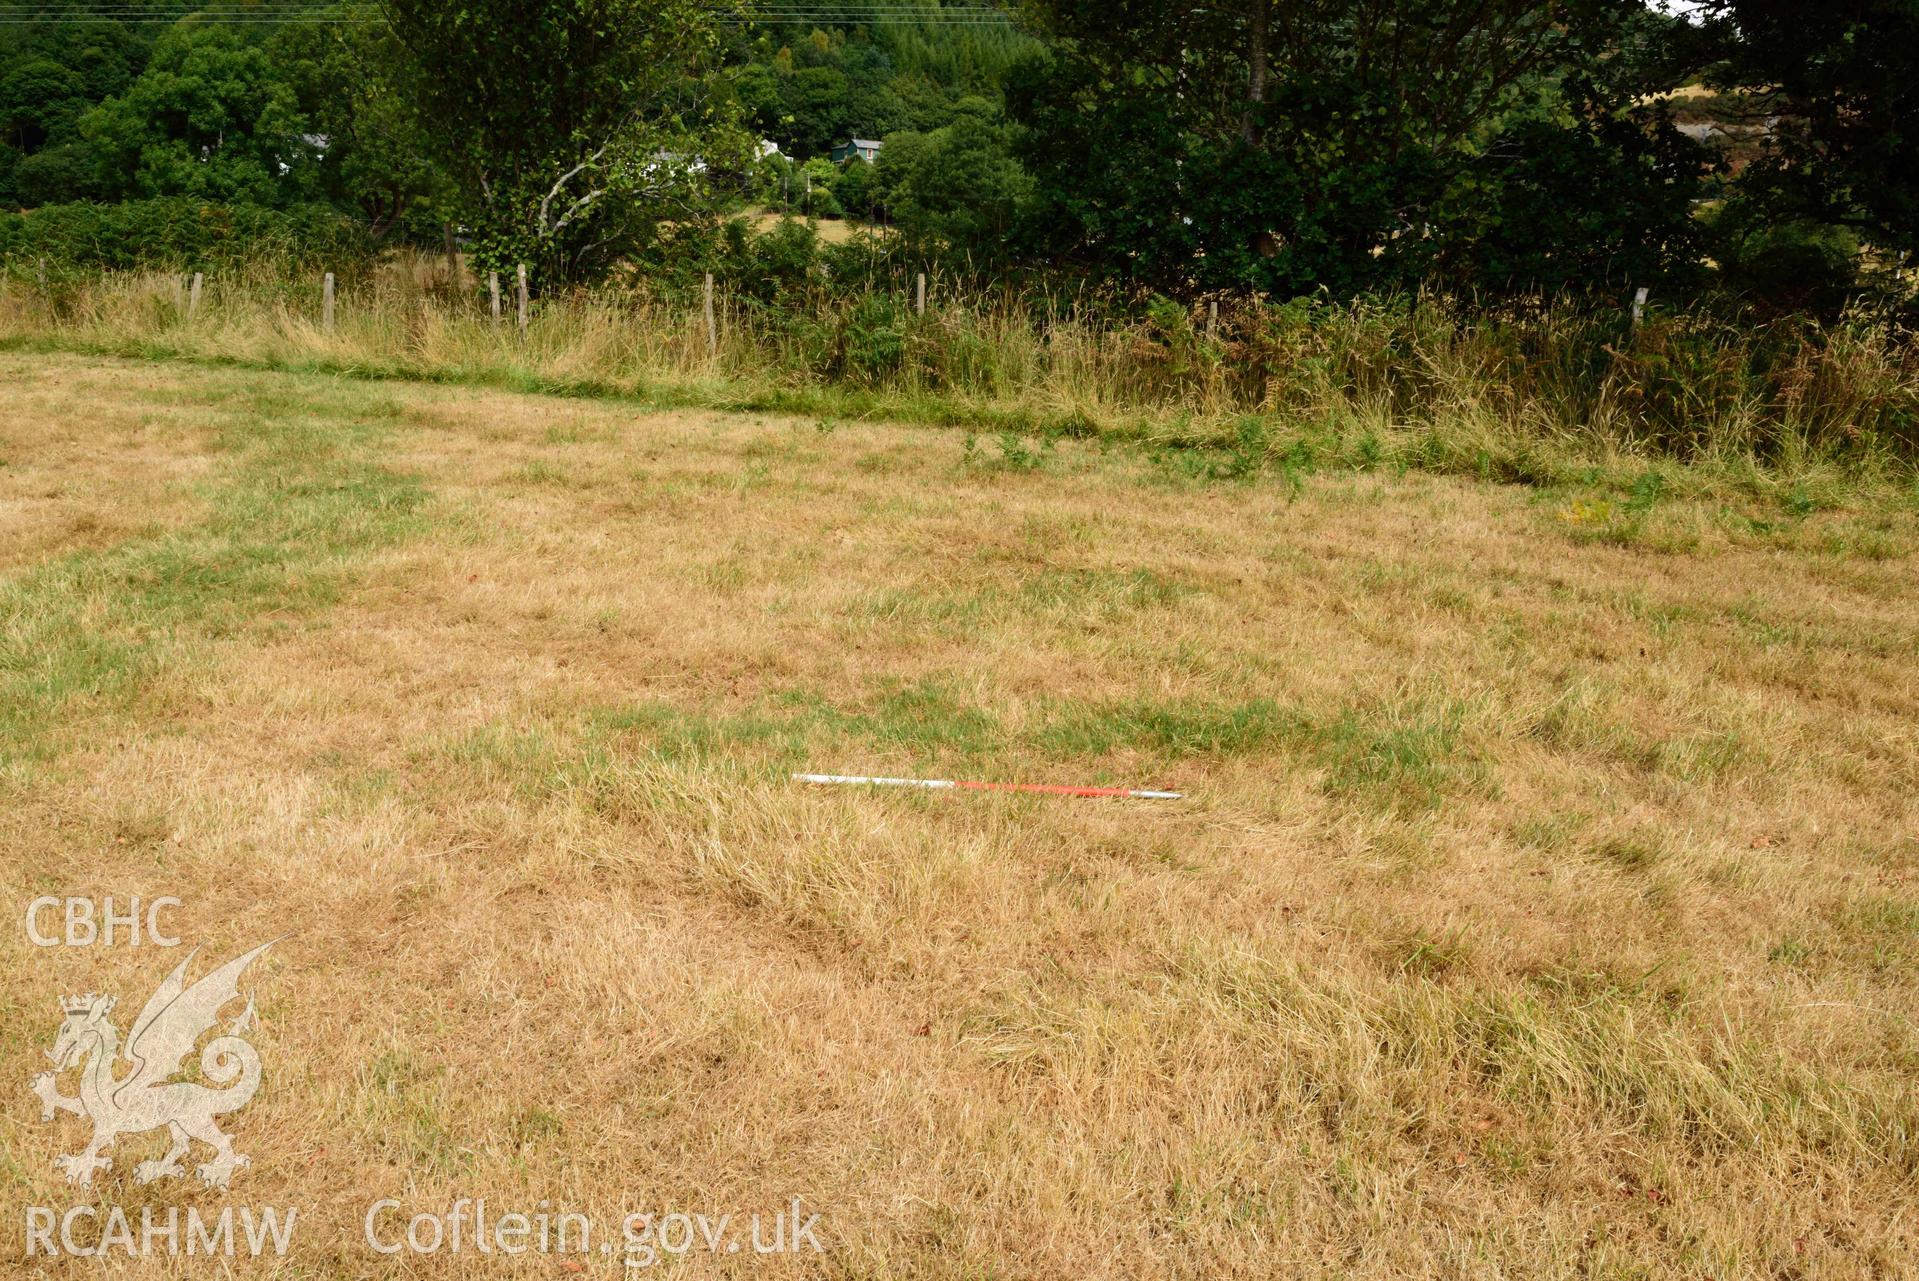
[(148, 1097), (84, 1232)]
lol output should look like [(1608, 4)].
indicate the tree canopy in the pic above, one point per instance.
[(1836, 89), (1356, 143), (574, 129), (1342, 145)]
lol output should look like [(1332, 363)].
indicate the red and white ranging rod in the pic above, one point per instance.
[(938, 784)]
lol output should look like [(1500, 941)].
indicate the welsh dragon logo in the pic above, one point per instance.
[(172, 1022)]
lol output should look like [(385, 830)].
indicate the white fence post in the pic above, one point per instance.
[(326, 303), (523, 304)]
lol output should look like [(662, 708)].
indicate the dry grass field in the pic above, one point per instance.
[(835, 231), (1543, 904)]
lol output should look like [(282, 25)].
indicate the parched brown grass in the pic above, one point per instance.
[(832, 231), (1543, 903), (69, 482)]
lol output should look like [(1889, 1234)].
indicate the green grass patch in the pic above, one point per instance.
[(297, 499), (926, 720), (1101, 595), (1392, 757), (1171, 729), (1407, 755)]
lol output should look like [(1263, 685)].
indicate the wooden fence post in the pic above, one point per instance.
[(452, 254), (1639, 306), (493, 287), (522, 302), (193, 295), (712, 329), (326, 303), (1212, 320), (920, 300)]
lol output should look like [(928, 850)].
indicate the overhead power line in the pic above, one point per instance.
[(299, 14)]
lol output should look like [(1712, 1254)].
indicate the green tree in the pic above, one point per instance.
[(819, 103), (1835, 87), (38, 98), (53, 175), (1249, 143), (853, 188), (813, 190), (371, 154), (578, 131), (900, 154), (963, 190), (902, 68), (758, 91), (1573, 197), (51, 74), (208, 117), (923, 103)]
